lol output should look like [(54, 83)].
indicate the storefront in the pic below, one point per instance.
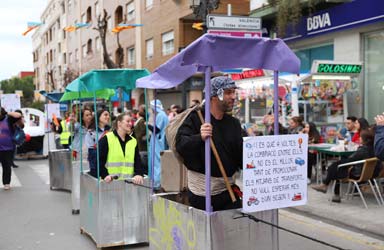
[(349, 32), (323, 95)]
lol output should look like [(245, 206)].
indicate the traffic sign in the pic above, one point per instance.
[(236, 33), (233, 22)]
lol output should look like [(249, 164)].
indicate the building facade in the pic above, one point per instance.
[(61, 55), (345, 31)]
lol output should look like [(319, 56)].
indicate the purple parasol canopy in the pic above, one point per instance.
[(219, 53)]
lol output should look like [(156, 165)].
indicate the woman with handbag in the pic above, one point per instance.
[(7, 145)]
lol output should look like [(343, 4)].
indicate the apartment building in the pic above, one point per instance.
[(166, 29), (49, 47)]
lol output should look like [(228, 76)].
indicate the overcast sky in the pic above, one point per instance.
[(15, 49)]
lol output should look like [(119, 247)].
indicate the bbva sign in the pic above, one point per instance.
[(318, 22)]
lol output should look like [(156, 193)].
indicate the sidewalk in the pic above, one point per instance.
[(350, 213)]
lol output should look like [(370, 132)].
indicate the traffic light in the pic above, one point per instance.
[(198, 26)]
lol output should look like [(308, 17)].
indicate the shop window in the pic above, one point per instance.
[(307, 56), (373, 74)]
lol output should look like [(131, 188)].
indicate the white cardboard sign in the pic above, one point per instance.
[(274, 172), (10, 102)]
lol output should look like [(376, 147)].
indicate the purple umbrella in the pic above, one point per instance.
[(215, 53)]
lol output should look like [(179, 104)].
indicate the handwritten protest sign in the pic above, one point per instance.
[(10, 102), (274, 172)]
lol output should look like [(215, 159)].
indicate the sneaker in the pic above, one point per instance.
[(15, 166), (336, 198), (321, 188), (308, 181), (7, 187)]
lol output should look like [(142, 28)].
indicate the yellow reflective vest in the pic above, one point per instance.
[(65, 134), (118, 163)]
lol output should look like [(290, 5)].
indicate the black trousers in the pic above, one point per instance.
[(219, 202), (334, 173), (311, 163), (6, 160)]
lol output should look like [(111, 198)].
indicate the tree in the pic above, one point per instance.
[(24, 84), (69, 76), (102, 25), (289, 12)]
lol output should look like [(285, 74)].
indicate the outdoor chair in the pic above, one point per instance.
[(364, 179), (379, 184)]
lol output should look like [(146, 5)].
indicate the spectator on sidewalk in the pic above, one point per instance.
[(361, 124), (295, 125), (7, 146), (379, 137), (313, 138), (349, 130), (334, 173)]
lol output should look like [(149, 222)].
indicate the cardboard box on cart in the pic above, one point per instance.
[(173, 173)]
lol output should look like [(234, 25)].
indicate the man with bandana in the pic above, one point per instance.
[(226, 133)]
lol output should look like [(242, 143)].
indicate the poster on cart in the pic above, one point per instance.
[(274, 172), (10, 102)]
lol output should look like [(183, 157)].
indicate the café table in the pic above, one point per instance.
[(327, 149)]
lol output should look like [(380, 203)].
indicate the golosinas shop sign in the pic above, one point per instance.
[(335, 67)]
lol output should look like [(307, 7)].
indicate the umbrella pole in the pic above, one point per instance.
[(154, 143), (275, 214), (208, 206)]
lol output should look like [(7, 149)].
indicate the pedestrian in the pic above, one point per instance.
[(313, 138), (158, 142), (140, 129), (79, 131), (7, 146), (379, 137), (102, 125), (226, 133), (65, 134), (295, 125), (119, 153)]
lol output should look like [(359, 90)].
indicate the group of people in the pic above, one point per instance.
[(120, 143), (369, 139)]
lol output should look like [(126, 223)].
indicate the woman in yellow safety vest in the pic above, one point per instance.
[(119, 153), (65, 135)]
